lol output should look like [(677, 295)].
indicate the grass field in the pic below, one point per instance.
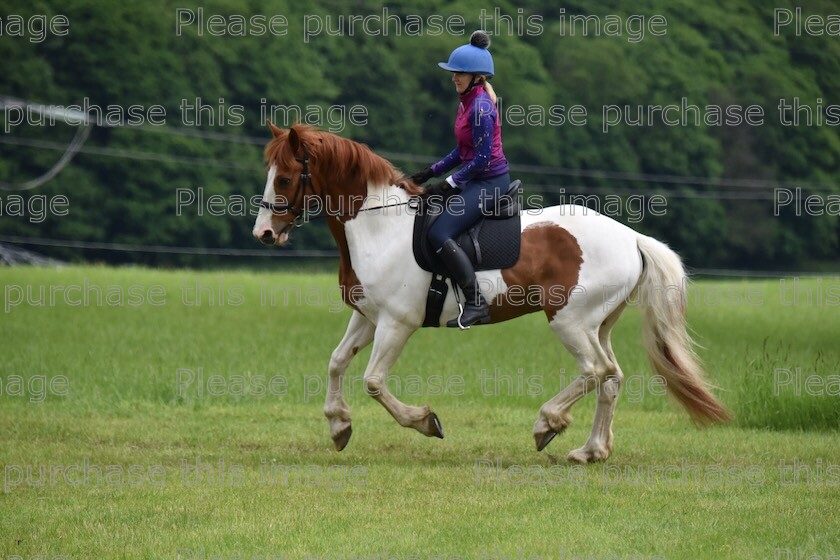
[(185, 422)]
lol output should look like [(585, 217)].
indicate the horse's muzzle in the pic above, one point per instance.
[(267, 237)]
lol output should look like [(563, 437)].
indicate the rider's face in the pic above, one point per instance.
[(461, 81)]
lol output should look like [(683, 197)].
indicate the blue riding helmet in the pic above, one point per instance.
[(472, 58)]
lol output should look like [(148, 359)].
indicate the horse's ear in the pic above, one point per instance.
[(294, 140), (274, 130)]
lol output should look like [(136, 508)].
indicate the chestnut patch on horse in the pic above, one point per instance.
[(348, 282), (547, 270)]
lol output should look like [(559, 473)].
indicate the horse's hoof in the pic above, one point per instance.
[(433, 425), (544, 439), (342, 438), (577, 456), (587, 454)]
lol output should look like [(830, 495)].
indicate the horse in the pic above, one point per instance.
[(581, 267)]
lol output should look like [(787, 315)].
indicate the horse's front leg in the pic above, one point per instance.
[(388, 342), (358, 335)]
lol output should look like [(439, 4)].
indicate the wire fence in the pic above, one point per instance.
[(276, 252)]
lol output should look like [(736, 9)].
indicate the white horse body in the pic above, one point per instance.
[(380, 245)]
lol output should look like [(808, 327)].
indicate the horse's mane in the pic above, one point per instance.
[(341, 159)]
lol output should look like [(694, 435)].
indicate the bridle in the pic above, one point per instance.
[(304, 185)]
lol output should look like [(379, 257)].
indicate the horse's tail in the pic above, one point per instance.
[(662, 293)]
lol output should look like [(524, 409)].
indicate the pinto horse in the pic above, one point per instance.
[(583, 267)]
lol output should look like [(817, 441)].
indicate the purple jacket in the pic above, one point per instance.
[(478, 132)]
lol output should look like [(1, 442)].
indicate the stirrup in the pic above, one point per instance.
[(482, 319), (461, 314), (460, 307)]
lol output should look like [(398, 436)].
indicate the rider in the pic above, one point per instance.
[(484, 170)]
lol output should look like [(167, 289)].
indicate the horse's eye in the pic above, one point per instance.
[(281, 181)]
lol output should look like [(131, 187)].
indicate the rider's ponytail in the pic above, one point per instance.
[(489, 89)]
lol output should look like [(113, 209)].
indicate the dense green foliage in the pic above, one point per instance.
[(715, 52)]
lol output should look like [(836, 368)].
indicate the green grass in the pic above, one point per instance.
[(669, 490)]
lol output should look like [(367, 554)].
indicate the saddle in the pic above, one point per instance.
[(493, 242)]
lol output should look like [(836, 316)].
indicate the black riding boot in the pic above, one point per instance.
[(461, 269)]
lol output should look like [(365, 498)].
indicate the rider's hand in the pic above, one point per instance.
[(438, 188), (422, 176)]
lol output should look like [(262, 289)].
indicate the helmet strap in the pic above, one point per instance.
[(473, 82)]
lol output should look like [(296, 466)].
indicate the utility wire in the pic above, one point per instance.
[(131, 154), (565, 190), (163, 248), (407, 157), (125, 247), (72, 148)]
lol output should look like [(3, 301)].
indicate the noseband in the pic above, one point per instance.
[(304, 185)]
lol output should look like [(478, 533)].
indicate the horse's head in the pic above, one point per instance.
[(307, 166), (288, 187)]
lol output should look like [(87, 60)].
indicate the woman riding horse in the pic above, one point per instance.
[(483, 175)]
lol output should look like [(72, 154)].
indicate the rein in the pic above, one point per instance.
[(413, 203)]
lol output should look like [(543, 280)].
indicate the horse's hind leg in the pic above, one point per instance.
[(600, 443), (358, 335), (554, 414)]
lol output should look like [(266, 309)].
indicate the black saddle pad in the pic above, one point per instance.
[(491, 243)]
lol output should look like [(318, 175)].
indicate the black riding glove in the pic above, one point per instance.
[(438, 188), (422, 176)]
